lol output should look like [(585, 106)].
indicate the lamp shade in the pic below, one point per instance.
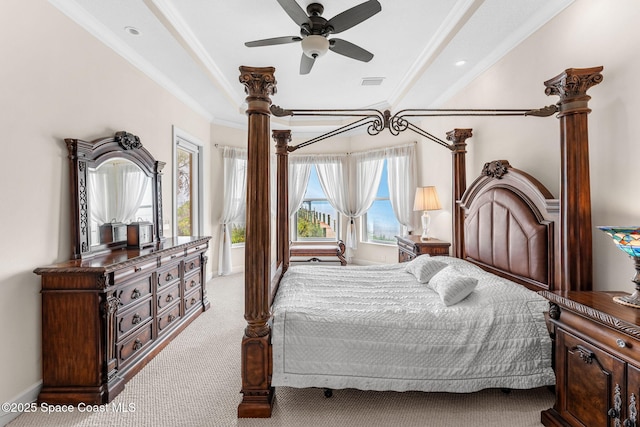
[(426, 199), (627, 239), (314, 46)]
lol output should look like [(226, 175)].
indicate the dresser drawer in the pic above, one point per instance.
[(193, 300), (170, 257), (135, 270), (133, 292), (610, 340), (192, 282), (192, 264), (169, 276), (134, 344), (195, 249), (168, 295), (133, 318), (168, 318)]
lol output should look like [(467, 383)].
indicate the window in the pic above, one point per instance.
[(187, 173), (239, 227), (316, 220), (379, 223)]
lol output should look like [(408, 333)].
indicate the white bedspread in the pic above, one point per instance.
[(377, 328)]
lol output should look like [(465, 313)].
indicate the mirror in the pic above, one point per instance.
[(114, 182), (121, 193)]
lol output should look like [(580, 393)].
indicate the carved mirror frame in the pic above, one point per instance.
[(84, 155)]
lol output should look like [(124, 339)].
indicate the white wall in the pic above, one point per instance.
[(588, 33), (58, 81)]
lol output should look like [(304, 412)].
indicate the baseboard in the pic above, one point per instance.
[(30, 395)]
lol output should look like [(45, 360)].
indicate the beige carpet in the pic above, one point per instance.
[(195, 381)]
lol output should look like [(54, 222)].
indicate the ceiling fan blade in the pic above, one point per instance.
[(273, 41), (294, 11), (351, 50), (354, 16), (306, 64)]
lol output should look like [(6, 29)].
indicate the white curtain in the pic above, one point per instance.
[(350, 190), (299, 171), (401, 176), (368, 171), (117, 190), (234, 201)]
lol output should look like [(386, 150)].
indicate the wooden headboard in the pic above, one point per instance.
[(509, 226)]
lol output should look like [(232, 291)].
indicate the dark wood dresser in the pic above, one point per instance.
[(412, 246), (105, 317), (597, 360)]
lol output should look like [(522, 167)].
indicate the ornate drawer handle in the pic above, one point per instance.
[(136, 319), (169, 277), (135, 294), (137, 269), (621, 343), (192, 284), (171, 318), (614, 413), (192, 265), (587, 356), (137, 344), (173, 256), (169, 298), (193, 301), (633, 412)]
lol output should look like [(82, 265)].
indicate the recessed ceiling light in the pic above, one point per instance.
[(461, 63), (371, 81), (132, 30)]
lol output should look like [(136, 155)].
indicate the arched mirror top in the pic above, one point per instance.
[(116, 195)]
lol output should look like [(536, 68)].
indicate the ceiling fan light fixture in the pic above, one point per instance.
[(314, 46)]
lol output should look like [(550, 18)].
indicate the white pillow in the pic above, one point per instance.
[(452, 286), (424, 267)]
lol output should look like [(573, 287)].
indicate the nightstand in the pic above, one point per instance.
[(597, 360), (411, 246)]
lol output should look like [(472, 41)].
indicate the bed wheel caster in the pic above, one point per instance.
[(328, 393)]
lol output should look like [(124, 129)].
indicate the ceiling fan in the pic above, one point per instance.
[(314, 30)]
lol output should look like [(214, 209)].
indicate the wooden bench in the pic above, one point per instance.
[(314, 252)]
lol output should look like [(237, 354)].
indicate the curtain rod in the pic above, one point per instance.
[(348, 153)]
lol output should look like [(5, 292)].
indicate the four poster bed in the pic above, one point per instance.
[(510, 239)]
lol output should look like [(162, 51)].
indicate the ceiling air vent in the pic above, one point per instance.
[(371, 81)]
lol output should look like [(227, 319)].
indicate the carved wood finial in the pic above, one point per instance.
[(282, 137), (459, 137), (571, 86), (496, 169), (259, 82), (127, 140)]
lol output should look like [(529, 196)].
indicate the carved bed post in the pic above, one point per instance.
[(257, 392), (458, 138), (576, 256), (282, 138)]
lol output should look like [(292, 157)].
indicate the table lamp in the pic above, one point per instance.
[(426, 200)]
